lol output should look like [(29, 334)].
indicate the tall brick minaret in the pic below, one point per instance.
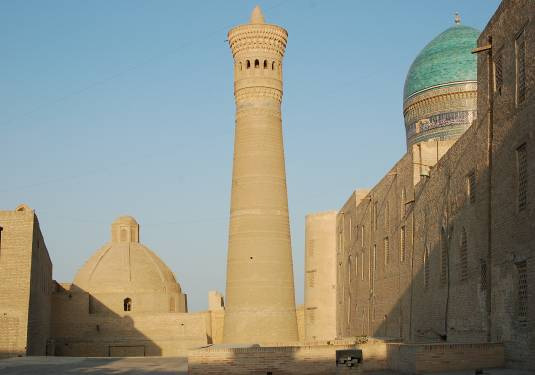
[(260, 306)]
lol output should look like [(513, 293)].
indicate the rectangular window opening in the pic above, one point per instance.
[(387, 251), (402, 245), (522, 310), (520, 54), (522, 176)]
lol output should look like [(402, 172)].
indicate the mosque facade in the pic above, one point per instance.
[(441, 249)]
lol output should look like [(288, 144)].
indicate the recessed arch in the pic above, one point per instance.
[(257, 63), (127, 304)]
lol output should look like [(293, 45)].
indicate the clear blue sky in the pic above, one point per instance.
[(126, 107)]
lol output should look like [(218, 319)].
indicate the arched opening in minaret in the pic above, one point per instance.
[(273, 65), (241, 67), (265, 64), (248, 64), (127, 304), (257, 63)]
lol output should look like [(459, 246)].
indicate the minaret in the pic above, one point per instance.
[(260, 305)]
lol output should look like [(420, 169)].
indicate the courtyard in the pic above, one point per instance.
[(141, 366)]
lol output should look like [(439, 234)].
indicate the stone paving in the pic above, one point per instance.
[(93, 366), (142, 366)]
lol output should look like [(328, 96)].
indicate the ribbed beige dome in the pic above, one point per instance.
[(130, 267), (125, 265)]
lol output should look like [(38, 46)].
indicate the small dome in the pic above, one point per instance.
[(446, 59), (126, 220), (125, 265)]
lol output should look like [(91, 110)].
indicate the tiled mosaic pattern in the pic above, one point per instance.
[(447, 58)]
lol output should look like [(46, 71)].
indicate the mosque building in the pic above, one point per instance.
[(439, 251), (429, 270)]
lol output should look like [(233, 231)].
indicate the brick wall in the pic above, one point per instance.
[(306, 359), (78, 333), (467, 266), (320, 277), (25, 276)]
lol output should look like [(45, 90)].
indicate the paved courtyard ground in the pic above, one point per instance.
[(139, 366)]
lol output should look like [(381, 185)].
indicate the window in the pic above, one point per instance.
[(350, 230), (127, 304), (257, 63), (463, 256), (387, 251), (248, 63), (265, 64), (273, 65), (426, 267), (374, 217), (349, 270), (498, 73), (522, 176), (483, 273), (403, 201), (443, 256), (522, 289), (471, 187), (387, 217), (124, 234), (520, 57), (402, 245)]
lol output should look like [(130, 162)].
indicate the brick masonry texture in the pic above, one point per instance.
[(25, 284), (431, 254)]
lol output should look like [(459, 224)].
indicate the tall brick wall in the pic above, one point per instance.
[(25, 276), (467, 267), (40, 295), (512, 235), (320, 277)]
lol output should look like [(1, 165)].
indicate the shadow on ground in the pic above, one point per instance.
[(104, 366)]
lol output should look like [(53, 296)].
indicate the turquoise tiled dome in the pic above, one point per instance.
[(447, 58)]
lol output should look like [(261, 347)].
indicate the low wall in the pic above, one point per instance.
[(316, 359), (319, 358), (422, 358)]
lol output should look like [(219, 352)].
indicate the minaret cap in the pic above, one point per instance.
[(256, 16)]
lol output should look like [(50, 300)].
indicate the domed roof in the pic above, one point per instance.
[(446, 59), (125, 265)]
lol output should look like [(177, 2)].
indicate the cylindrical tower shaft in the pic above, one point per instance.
[(260, 294)]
